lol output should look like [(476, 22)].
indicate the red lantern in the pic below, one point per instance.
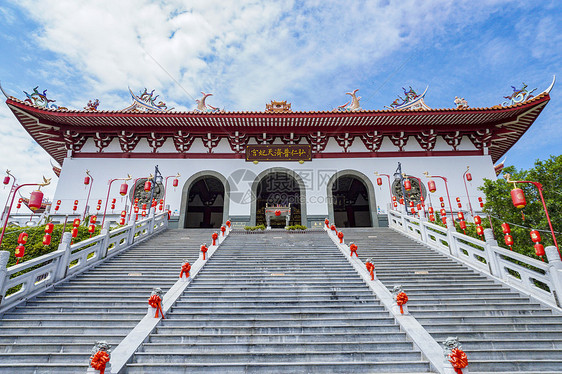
[(441, 199), (460, 215), (122, 221), (75, 202), (144, 206), (147, 186), (136, 209), (458, 199), (393, 198), (444, 220), (508, 239), (326, 221), (477, 220), (539, 249), (411, 203), (175, 182), (161, 207), (98, 207), (479, 230), (442, 205), (430, 210), (379, 182), (422, 199), (86, 180), (113, 201), (413, 210), (432, 218), (75, 207), (480, 199), (123, 189), (49, 228), (57, 208), (419, 206), (35, 200), (481, 205), (407, 185), (431, 186), (395, 204), (20, 200), (22, 238), (459, 205), (535, 236), (136, 201), (443, 212), (518, 198), (505, 228), (93, 220), (402, 200), (74, 232), (19, 252), (6, 179), (112, 206), (99, 202), (462, 224), (123, 213), (46, 239), (59, 202), (468, 177), (161, 201), (76, 222), (215, 236), (143, 213)]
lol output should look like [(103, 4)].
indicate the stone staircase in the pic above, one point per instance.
[(500, 329), (55, 332), (278, 303)]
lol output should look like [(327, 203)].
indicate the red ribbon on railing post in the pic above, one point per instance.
[(185, 269), (204, 249), (156, 302), (99, 361), (401, 299), (353, 250), (371, 269), (458, 359)]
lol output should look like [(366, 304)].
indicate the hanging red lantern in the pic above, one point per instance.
[(59, 202), (75, 202), (441, 199), (460, 215), (123, 189), (22, 238), (479, 199), (422, 199), (76, 222), (430, 210), (143, 206), (57, 208), (462, 224), (136, 209), (175, 182), (49, 228), (113, 201), (431, 186), (147, 186), (6, 179), (468, 177), (539, 249), (443, 212), (112, 206), (432, 218), (123, 213), (395, 204), (481, 205), (535, 236), (20, 200), (143, 213), (35, 200), (393, 198), (413, 210), (161, 201), (459, 205), (458, 199), (402, 200), (508, 239), (136, 200), (74, 232), (19, 252), (444, 220), (442, 205), (505, 228), (46, 239), (407, 185), (477, 220), (161, 207), (98, 207), (411, 203), (419, 206), (518, 198), (479, 230), (379, 182), (93, 220), (75, 207), (122, 221)]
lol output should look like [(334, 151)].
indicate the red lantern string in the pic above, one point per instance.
[(156, 302), (99, 361)]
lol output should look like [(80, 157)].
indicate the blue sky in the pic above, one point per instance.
[(250, 52)]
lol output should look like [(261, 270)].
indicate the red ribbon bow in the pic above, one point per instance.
[(401, 299), (156, 302), (458, 359), (99, 360), (185, 268)]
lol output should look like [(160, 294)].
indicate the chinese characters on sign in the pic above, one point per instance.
[(279, 152)]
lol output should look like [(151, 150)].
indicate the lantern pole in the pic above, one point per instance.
[(46, 182), (90, 190), (10, 193), (389, 188), (109, 189), (446, 189), (398, 175), (133, 197), (539, 187), (166, 186), (466, 188)]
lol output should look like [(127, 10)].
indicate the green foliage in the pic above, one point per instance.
[(34, 247), (500, 207), (296, 227), (254, 228)]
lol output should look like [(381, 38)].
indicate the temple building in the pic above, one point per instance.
[(232, 164)]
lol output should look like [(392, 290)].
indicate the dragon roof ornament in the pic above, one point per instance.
[(518, 95), (40, 100), (146, 102), (203, 107), (350, 106), (411, 101)]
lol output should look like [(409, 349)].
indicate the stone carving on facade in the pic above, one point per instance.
[(128, 141), (202, 105), (461, 102), (183, 141), (519, 95), (372, 140), (278, 106), (352, 105)]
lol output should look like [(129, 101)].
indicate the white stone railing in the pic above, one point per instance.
[(35, 276), (533, 277)]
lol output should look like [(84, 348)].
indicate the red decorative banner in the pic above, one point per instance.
[(273, 152)]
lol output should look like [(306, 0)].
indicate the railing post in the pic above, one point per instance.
[(64, 260), (423, 231), (151, 223), (105, 241), (555, 270), (493, 263), (4, 257), (131, 234), (451, 239)]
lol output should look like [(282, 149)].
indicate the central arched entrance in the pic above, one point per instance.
[(279, 186), (204, 202), (351, 200)]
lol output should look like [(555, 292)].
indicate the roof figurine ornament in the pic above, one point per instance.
[(145, 102), (203, 107), (354, 106), (460, 102), (278, 106), (40, 99), (92, 106), (519, 95), (411, 101)]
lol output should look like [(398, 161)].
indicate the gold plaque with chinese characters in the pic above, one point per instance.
[(272, 152)]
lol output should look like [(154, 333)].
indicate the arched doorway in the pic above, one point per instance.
[(279, 186), (352, 202), (205, 203)]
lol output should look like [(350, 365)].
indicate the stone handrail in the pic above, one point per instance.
[(540, 280), (37, 275)]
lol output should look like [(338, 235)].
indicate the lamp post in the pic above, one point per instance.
[(389, 188), (90, 181), (166, 186), (539, 187), (109, 189), (464, 178), (7, 178), (398, 176), (446, 189), (46, 182)]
